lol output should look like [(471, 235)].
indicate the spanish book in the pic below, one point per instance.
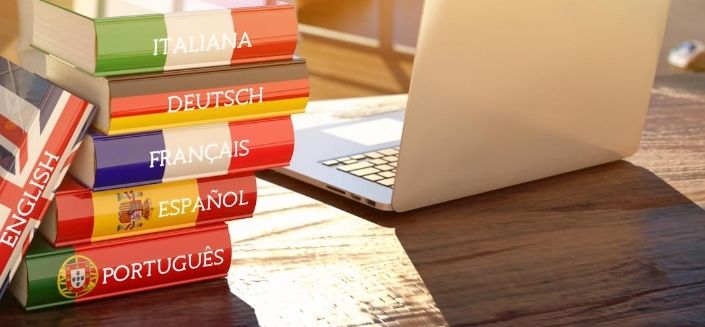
[(80, 216), (41, 128), (121, 37)]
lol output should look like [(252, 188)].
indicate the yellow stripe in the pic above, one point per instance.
[(146, 123), (162, 216)]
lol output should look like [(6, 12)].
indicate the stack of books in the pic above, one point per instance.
[(193, 97)]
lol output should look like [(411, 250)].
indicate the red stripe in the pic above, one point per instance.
[(166, 246), (159, 103), (220, 185), (68, 122), (271, 144), (271, 41), (74, 207), (23, 155), (15, 134)]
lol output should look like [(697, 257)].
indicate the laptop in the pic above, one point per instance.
[(502, 92)]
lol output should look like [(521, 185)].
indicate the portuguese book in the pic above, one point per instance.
[(120, 37), (110, 162), (79, 216), (51, 276), (41, 128), (155, 101)]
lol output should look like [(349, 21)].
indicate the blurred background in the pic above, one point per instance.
[(365, 47)]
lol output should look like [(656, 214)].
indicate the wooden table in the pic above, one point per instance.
[(620, 244)]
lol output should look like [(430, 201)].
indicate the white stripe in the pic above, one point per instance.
[(209, 24), (182, 139)]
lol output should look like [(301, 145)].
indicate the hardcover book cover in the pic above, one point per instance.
[(41, 127), (110, 162), (51, 276), (79, 216), (119, 37), (155, 101)]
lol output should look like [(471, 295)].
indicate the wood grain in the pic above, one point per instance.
[(621, 244)]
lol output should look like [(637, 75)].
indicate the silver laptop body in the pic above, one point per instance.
[(503, 92)]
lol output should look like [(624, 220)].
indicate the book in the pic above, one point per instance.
[(41, 127), (110, 162), (120, 37), (155, 101), (79, 216), (51, 276)]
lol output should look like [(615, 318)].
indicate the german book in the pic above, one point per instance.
[(80, 216), (41, 127), (120, 37), (110, 162), (51, 276), (155, 101)]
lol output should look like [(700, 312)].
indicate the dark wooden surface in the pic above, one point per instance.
[(621, 244)]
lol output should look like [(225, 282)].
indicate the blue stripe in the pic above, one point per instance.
[(5, 285), (123, 161)]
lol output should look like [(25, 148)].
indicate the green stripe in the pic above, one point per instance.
[(126, 45), (43, 264)]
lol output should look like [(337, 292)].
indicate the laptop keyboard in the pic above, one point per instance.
[(378, 166)]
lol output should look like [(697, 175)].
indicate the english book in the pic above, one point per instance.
[(121, 37), (51, 276), (79, 216), (155, 101), (41, 127), (110, 162)]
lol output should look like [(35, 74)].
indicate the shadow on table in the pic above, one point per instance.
[(176, 306), (611, 244)]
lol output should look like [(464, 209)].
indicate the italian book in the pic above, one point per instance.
[(110, 162), (51, 276), (121, 37), (155, 101), (79, 216), (41, 128)]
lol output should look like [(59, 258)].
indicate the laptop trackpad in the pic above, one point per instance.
[(370, 132)]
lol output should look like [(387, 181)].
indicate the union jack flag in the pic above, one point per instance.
[(41, 127)]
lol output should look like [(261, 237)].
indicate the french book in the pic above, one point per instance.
[(120, 37), (51, 276), (110, 162), (41, 128), (155, 101), (79, 216)]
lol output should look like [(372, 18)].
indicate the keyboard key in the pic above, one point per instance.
[(387, 182), (358, 156), (343, 159), (374, 155), (391, 159), (378, 161), (349, 162), (355, 166), (364, 172), (389, 152), (384, 167), (387, 174), (331, 162), (373, 177)]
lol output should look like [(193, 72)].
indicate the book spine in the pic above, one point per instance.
[(84, 273), (129, 45), (138, 106), (85, 217), (188, 153), (47, 150)]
